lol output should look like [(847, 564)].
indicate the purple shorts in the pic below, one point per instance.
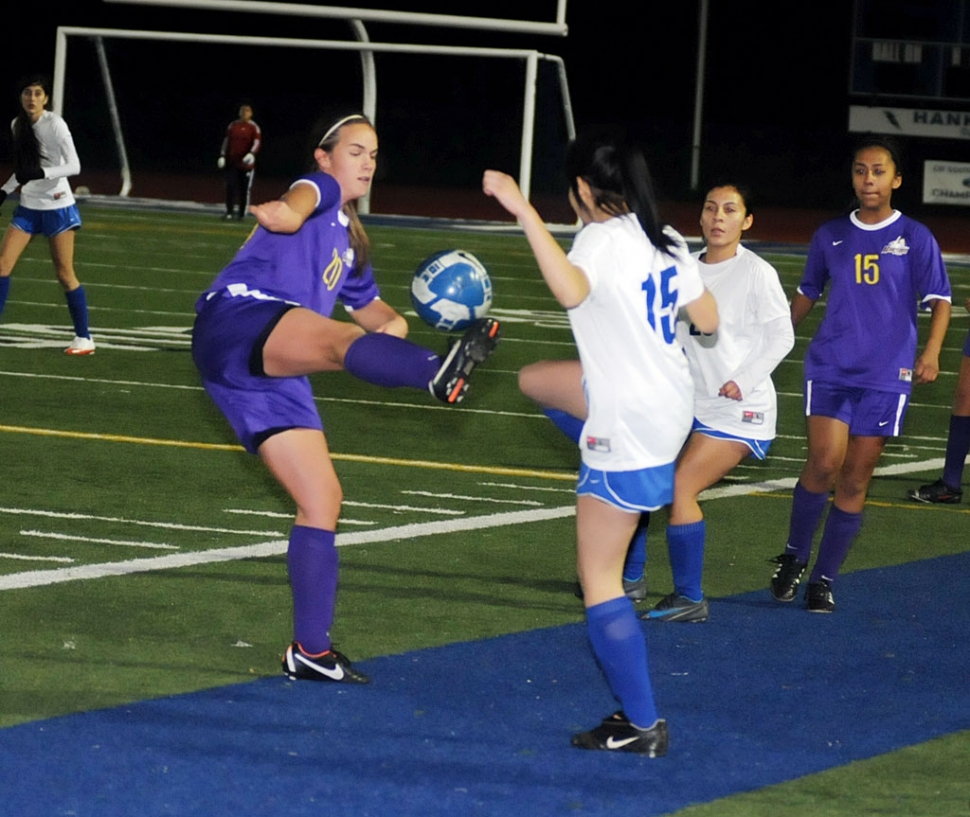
[(867, 412), (46, 222), (227, 345)]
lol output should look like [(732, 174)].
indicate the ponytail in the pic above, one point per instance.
[(619, 179)]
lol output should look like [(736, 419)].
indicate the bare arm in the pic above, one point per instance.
[(703, 313), (568, 283), (378, 317), (928, 364), (286, 215), (801, 305)]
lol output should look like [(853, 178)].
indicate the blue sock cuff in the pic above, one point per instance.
[(606, 609), (686, 530), (569, 425)]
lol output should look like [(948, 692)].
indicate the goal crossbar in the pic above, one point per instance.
[(370, 15), (531, 57)]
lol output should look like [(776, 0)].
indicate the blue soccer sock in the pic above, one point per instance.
[(390, 361), (685, 544), (4, 291), (806, 512), (569, 425), (77, 304), (621, 649), (636, 554), (957, 446), (840, 532), (312, 561)]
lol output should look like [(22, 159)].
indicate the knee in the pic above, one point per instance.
[(66, 278), (527, 382)]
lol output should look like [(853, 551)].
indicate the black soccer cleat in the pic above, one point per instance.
[(328, 666), (818, 597), (617, 734), (676, 607), (474, 347), (787, 575), (936, 493)]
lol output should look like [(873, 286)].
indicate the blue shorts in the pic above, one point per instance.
[(227, 347), (46, 222), (648, 489), (759, 448), (867, 412), (966, 346)]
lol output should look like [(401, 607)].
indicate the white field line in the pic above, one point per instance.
[(64, 537), (22, 558), (515, 487), (40, 578), (531, 415), (351, 503), (434, 495), (167, 525)]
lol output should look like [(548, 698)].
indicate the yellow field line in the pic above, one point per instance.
[(438, 466)]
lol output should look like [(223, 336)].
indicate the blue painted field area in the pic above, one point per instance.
[(761, 694)]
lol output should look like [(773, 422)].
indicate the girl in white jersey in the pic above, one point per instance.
[(623, 283), (735, 406), (44, 159)]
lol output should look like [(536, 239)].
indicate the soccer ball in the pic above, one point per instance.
[(451, 289)]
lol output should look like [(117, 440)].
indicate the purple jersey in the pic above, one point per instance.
[(878, 274), (311, 267)]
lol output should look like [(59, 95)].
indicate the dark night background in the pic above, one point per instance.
[(776, 102)]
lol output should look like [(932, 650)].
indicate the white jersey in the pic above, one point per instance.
[(636, 377), (58, 159), (754, 334)]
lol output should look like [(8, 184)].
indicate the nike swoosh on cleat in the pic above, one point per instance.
[(613, 743), (335, 674)]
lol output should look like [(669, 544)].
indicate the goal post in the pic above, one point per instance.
[(530, 57)]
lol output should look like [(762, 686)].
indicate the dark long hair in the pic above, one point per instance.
[(26, 148), (619, 179), (359, 241)]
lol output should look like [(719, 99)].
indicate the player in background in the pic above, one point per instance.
[(622, 284), (735, 406), (264, 325), (861, 363), (44, 158), (237, 158), (947, 489)]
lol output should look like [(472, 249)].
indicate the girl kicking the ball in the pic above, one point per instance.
[(264, 325), (622, 284), (860, 365)]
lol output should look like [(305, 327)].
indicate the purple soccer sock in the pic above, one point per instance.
[(77, 305), (312, 562), (806, 512), (390, 361), (4, 291), (840, 532), (636, 554), (957, 446), (621, 649), (685, 544)]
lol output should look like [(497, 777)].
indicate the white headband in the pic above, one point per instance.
[(339, 125)]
